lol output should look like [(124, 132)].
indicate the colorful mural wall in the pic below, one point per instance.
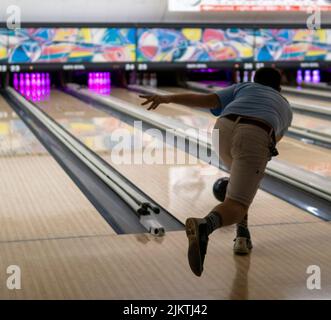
[(194, 44), (82, 45), (3, 45), (292, 45), (68, 45)]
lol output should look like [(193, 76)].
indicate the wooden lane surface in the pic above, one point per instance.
[(38, 199), (139, 267)]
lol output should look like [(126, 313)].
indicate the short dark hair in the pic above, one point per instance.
[(270, 77)]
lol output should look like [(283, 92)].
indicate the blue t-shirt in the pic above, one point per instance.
[(255, 100)]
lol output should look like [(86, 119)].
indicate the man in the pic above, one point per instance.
[(253, 117)]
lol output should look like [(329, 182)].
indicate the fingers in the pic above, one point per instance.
[(147, 101), (148, 98), (153, 106), (155, 100)]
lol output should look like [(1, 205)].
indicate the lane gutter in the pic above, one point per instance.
[(114, 197)]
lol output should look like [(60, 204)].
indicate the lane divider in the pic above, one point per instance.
[(146, 211)]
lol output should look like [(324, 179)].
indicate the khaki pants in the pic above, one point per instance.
[(244, 149)]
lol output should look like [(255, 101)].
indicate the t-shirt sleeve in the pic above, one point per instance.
[(226, 96)]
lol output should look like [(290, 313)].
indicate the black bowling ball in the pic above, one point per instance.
[(219, 188)]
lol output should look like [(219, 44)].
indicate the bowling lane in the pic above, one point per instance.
[(302, 91), (319, 125), (292, 97), (299, 120), (182, 188), (292, 151), (297, 99), (38, 199), (142, 267)]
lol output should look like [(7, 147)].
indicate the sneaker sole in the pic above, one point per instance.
[(243, 252), (192, 232)]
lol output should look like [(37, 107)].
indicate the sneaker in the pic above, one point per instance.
[(196, 231), (242, 245)]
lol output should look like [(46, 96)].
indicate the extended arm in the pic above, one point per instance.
[(207, 101)]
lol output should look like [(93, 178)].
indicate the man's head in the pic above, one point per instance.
[(268, 77)]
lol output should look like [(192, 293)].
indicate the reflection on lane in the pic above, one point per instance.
[(311, 158), (105, 133), (163, 178), (91, 126), (310, 123), (15, 137), (292, 152)]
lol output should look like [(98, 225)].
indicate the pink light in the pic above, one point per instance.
[(34, 86), (99, 82), (307, 76), (316, 76), (15, 82), (299, 77), (27, 80)]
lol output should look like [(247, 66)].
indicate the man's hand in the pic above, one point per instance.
[(154, 100)]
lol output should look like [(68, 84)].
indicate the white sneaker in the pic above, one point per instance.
[(242, 245)]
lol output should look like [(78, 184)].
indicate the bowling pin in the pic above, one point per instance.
[(246, 76), (38, 85), (27, 86), (308, 76), (27, 80), (48, 84), (42, 83), (153, 80), (33, 80), (316, 76), (299, 77), (97, 81), (94, 80), (21, 83), (89, 80), (237, 76), (102, 83), (145, 79), (15, 81), (132, 77), (138, 79), (109, 82), (33, 86)]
